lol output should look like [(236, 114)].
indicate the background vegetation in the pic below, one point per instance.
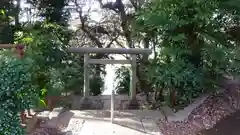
[(195, 43)]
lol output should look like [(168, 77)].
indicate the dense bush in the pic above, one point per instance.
[(16, 93), (123, 80), (179, 78), (192, 45)]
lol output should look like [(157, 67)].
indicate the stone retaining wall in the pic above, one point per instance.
[(104, 102)]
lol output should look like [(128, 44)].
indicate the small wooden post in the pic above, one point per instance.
[(19, 50), (133, 77), (23, 117), (86, 75), (112, 105)]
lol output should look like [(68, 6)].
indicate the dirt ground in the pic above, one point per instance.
[(227, 126)]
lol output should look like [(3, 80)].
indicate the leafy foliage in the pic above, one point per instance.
[(58, 70), (195, 42), (192, 55), (51, 70), (16, 91), (179, 77), (123, 80), (52, 11), (96, 82)]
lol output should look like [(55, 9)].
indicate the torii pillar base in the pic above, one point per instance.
[(133, 104), (85, 104)]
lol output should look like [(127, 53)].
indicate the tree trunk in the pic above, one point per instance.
[(195, 46), (17, 12), (145, 86), (97, 89)]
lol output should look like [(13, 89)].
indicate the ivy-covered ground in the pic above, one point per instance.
[(218, 111), (226, 126)]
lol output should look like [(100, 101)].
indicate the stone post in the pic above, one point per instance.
[(86, 76), (133, 77), (112, 105), (133, 103)]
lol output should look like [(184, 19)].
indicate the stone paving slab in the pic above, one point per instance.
[(120, 130), (148, 114), (96, 127), (88, 123), (75, 126), (130, 123), (150, 127)]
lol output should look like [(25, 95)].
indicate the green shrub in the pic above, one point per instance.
[(16, 93), (180, 77)]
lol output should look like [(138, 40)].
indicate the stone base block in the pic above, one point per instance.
[(85, 104), (133, 104)]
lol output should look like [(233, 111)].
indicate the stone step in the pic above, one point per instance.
[(56, 112), (44, 119), (32, 121), (52, 118)]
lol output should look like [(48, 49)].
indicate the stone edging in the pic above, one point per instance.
[(182, 115)]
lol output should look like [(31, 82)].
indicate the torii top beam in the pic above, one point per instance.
[(110, 50)]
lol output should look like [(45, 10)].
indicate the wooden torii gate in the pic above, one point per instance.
[(132, 51)]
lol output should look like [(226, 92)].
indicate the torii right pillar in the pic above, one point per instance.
[(133, 103)]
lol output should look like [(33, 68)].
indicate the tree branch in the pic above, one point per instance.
[(83, 20)]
